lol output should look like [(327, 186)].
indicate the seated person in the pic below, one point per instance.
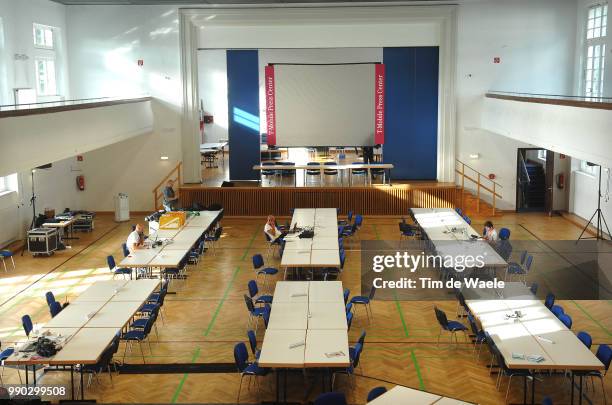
[(170, 199), (136, 239), (272, 231), (489, 232)]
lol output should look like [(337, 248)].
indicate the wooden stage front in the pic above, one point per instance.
[(375, 200)]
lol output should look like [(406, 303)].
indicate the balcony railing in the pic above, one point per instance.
[(17, 110), (602, 103)]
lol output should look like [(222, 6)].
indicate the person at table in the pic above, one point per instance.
[(170, 199), (368, 154), (135, 240), (489, 232), (272, 231)]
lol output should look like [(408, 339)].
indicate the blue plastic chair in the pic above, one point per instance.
[(566, 320), (126, 251), (258, 265), (557, 310), (50, 298), (349, 218), (349, 320), (604, 354), (467, 219), (534, 289), (253, 343), (366, 302), (504, 234), (459, 211), (254, 291), (479, 335), (346, 294), (313, 172), (505, 371), (7, 254), (354, 356), (5, 354), (331, 172), (349, 308), (27, 324), (585, 338), (549, 301), (55, 308), (375, 393), (331, 398), (547, 401), (241, 357), (269, 173), (139, 335), (446, 325), (124, 271), (358, 172), (254, 312)]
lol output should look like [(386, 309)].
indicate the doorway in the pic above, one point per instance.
[(534, 180)]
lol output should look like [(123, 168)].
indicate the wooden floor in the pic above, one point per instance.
[(207, 316)]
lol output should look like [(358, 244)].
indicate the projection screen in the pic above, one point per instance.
[(325, 105)]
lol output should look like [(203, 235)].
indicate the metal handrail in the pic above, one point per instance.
[(177, 170), (76, 101), (479, 185)]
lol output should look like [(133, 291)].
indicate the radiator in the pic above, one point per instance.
[(9, 225)]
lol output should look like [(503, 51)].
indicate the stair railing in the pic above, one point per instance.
[(524, 179), (483, 184), (176, 175)]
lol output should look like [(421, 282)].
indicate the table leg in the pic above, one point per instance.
[(580, 400), (82, 389), (278, 371), (72, 382), (533, 387), (389, 177), (34, 375), (26, 375), (572, 389), (525, 390)]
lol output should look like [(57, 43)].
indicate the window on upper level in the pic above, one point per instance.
[(595, 49), (542, 154), (46, 80), (44, 36), (8, 183)]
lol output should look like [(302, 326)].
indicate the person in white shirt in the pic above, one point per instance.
[(271, 230), (135, 240), (490, 233)]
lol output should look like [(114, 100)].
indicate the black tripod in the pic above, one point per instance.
[(601, 220), (33, 223)]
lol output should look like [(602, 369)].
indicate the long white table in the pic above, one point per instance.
[(88, 325), (452, 236), (336, 166), (176, 243), (404, 395), (312, 315), (320, 251), (536, 332)]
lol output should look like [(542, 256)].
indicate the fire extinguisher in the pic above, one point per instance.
[(80, 182), (560, 181)]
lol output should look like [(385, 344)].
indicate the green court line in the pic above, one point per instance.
[(196, 354), (418, 369), (376, 231), (591, 318), (401, 314), (225, 294), (249, 245)]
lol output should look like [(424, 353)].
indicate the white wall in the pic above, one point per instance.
[(583, 192), (535, 41), (212, 82), (17, 19), (105, 44)]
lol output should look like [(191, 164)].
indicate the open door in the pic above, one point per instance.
[(534, 180)]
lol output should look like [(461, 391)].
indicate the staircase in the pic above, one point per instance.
[(534, 191), (473, 205)]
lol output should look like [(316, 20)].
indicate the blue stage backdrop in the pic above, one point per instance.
[(243, 113), (411, 112)]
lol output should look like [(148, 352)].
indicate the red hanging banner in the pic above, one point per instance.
[(379, 104), (270, 106)]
